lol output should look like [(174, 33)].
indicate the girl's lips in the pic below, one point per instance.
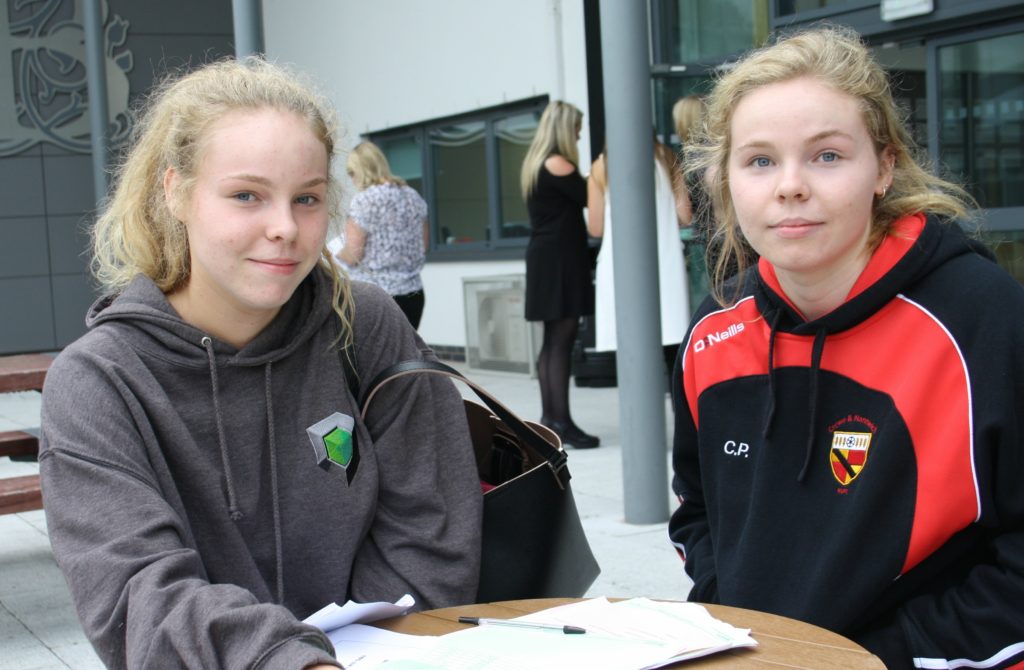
[(792, 228), (277, 265), (786, 223)]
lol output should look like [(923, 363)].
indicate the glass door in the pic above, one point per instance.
[(978, 111)]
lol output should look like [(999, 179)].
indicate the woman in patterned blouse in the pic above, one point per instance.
[(386, 232)]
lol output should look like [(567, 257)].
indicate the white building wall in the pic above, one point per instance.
[(388, 63)]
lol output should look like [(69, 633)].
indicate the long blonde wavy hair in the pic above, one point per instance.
[(136, 232), (837, 57), (368, 166), (687, 115), (556, 134)]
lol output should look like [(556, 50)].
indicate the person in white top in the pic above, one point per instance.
[(387, 233), (672, 212)]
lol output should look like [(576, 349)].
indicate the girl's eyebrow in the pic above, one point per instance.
[(817, 137), (756, 144), (315, 181), (825, 134)]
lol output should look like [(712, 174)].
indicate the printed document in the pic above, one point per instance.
[(635, 634), (334, 616), (359, 646)]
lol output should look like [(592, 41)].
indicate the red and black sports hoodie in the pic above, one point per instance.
[(863, 471)]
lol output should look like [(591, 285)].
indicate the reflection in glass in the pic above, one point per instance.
[(703, 30), (405, 156), (787, 7), (460, 181), (906, 66), (982, 117), (667, 90), (1009, 249), (514, 136)]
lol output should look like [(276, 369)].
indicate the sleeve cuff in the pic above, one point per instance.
[(705, 590), (296, 654), (887, 642)]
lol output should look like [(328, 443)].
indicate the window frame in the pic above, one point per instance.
[(494, 247), (819, 14), (661, 49), (994, 219)]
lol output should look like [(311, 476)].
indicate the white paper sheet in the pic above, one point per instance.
[(636, 634), (361, 647), (365, 647), (334, 616)]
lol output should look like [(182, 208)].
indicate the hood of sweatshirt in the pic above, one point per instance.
[(150, 324), (158, 329), (915, 247)]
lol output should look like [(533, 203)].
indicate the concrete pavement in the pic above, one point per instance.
[(38, 627)]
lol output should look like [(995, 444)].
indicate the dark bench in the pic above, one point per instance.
[(25, 372), (20, 445), (20, 494)]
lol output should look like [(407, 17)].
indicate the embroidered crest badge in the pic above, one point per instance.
[(848, 455), (334, 443)]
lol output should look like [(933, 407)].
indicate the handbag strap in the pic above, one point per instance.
[(555, 457)]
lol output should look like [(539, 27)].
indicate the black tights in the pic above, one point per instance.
[(554, 368)]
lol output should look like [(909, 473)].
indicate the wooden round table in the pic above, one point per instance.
[(781, 642)]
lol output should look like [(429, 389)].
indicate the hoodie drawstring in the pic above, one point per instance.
[(816, 351), (278, 543), (233, 510), (770, 415)]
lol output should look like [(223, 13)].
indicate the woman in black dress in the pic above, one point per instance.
[(559, 289)]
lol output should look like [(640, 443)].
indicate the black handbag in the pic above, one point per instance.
[(533, 542)]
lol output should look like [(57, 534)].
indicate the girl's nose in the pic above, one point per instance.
[(792, 184), (282, 224)]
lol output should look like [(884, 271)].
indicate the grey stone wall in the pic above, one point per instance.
[(46, 181)]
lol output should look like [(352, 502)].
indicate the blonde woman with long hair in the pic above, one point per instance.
[(687, 116), (386, 231), (558, 265), (671, 212), (207, 478), (849, 407)]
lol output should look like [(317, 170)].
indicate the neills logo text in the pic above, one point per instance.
[(711, 339)]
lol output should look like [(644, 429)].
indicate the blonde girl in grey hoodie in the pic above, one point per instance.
[(207, 480)]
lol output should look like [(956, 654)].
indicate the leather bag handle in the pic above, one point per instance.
[(555, 456)]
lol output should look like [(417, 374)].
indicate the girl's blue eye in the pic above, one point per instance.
[(244, 197), (306, 200), (761, 161), (829, 157)]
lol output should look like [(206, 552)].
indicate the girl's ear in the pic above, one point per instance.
[(886, 167), (172, 182)]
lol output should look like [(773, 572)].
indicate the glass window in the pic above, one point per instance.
[(981, 98), (787, 7), (1008, 247), (702, 30), (514, 135), (667, 90), (906, 66), (459, 154), (467, 169), (405, 156)]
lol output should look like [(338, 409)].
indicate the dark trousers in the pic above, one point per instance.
[(411, 305)]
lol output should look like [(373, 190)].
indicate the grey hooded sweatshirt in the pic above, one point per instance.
[(183, 498)]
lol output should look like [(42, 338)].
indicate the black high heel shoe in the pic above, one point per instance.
[(571, 435)]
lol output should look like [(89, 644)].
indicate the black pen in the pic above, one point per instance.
[(483, 621)]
